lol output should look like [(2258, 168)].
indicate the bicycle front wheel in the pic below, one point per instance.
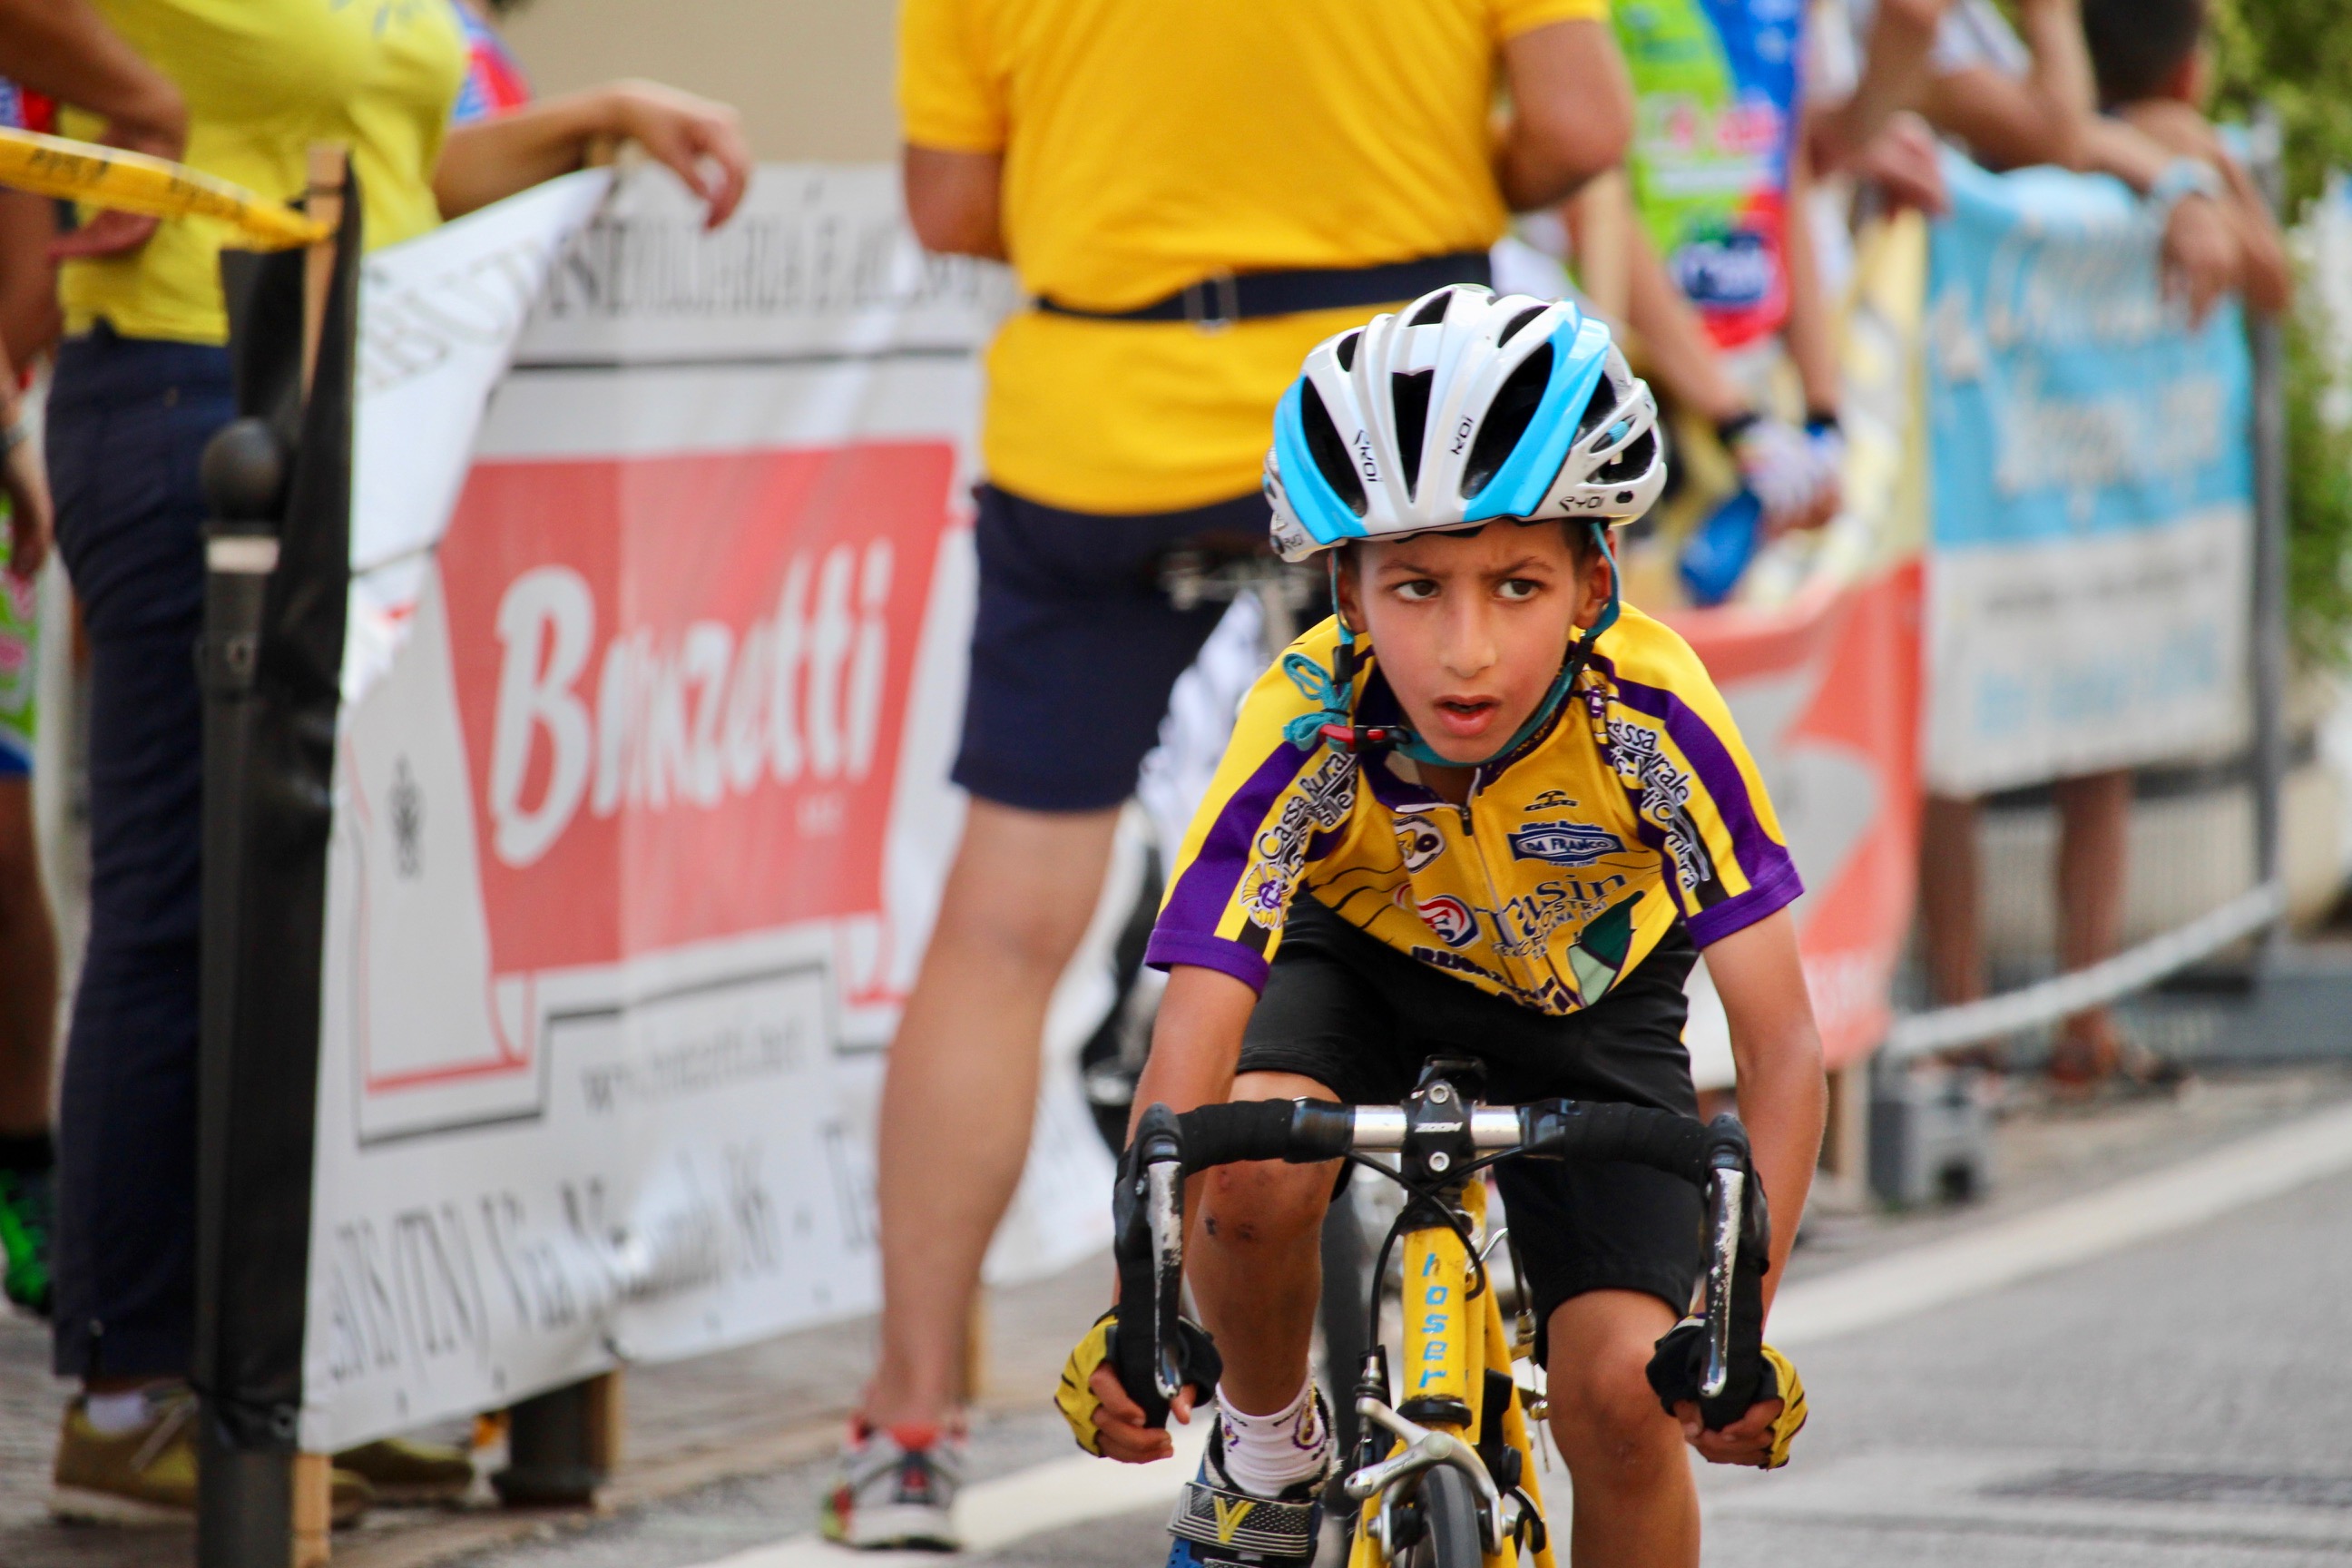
[(1449, 1512)]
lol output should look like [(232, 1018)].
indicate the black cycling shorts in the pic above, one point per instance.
[(1360, 1018)]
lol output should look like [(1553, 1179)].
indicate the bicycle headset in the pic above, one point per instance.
[(1462, 409)]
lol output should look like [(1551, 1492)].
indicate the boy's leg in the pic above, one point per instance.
[(1256, 1263), (1636, 1504)]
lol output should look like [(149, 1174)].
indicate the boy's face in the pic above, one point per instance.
[(1470, 631)]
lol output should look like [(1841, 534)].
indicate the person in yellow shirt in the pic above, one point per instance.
[(1192, 196), (239, 89)]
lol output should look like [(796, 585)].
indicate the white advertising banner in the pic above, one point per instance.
[(664, 579)]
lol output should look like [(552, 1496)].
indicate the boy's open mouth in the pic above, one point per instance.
[(1465, 716)]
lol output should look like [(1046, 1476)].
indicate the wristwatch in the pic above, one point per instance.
[(2182, 178)]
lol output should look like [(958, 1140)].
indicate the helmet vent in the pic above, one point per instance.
[(1346, 352), (1432, 310), (1329, 449), (1511, 329), (1410, 394), (1507, 419), (1629, 464)]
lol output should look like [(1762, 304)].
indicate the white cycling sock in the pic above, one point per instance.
[(1264, 1454)]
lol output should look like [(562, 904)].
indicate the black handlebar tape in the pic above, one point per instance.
[(1263, 1129), (1576, 1129)]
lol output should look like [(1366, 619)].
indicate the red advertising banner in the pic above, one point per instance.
[(670, 665), (1827, 692)]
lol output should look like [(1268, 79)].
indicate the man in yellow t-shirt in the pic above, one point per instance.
[(1194, 196)]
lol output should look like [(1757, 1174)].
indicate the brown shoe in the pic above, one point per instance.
[(402, 1471), (148, 1475)]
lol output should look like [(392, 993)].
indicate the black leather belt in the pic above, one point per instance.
[(1231, 297)]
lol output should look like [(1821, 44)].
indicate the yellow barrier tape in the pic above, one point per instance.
[(136, 183)]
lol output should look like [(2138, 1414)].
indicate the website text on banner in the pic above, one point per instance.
[(641, 805), (2093, 480)]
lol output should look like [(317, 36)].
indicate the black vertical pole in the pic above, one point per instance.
[(277, 554), (245, 1514)]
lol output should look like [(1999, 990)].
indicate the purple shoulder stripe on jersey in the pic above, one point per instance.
[(1167, 949), (1773, 891), (1205, 890), (1696, 739)]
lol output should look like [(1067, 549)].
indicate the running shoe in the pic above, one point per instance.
[(896, 1488)]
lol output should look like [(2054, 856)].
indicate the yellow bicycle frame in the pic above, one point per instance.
[(1446, 1335)]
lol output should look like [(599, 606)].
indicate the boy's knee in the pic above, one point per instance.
[(1604, 1414), (1271, 1205)]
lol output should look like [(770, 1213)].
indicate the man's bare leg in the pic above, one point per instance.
[(1951, 913), (2094, 850), (962, 1087), (1636, 1504), (28, 971), (1255, 1262)]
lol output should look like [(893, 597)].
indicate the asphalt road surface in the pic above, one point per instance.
[(2185, 1400)]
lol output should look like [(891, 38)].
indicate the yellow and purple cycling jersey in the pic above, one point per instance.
[(1637, 807)]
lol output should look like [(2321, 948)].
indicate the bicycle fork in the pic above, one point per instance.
[(1456, 1356)]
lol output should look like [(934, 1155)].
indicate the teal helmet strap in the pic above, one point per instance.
[(1334, 690)]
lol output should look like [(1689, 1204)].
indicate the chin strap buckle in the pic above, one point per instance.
[(1358, 739)]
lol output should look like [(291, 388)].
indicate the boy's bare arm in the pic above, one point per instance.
[(1783, 1096), (1196, 1041)]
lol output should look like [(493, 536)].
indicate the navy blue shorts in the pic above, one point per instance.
[(1076, 646)]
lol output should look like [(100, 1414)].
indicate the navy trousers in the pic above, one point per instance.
[(128, 420)]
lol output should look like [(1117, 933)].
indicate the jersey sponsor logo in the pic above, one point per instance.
[(1418, 841), (1564, 843), (1320, 802), (1598, 957), (1663, 801), (1450, 918), (1445, 958), (1553, 800), (1524, 925)]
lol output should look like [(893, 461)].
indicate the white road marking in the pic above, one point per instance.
[(1041, 1497), (2131, 1211), (1069, 1491)]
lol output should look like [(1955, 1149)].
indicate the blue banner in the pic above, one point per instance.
[(2091, 490)]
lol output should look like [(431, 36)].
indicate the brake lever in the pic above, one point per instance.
[(1729, 1193), (1164, 1204)]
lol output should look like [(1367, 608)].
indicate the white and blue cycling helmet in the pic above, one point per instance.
[(1463, 408)]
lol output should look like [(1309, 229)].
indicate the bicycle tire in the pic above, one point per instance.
[(1449, 1509)]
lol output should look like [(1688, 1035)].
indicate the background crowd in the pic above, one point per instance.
[(1150, 182)]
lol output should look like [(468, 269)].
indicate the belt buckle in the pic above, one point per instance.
[(1220, 289)]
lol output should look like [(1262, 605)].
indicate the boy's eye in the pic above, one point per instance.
[(1416, 590), (1520, 588)]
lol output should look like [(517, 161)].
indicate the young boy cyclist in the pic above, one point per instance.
[(1485, 808)]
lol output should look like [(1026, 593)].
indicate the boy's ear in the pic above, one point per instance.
[(1599, 579), (1343, 583)]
